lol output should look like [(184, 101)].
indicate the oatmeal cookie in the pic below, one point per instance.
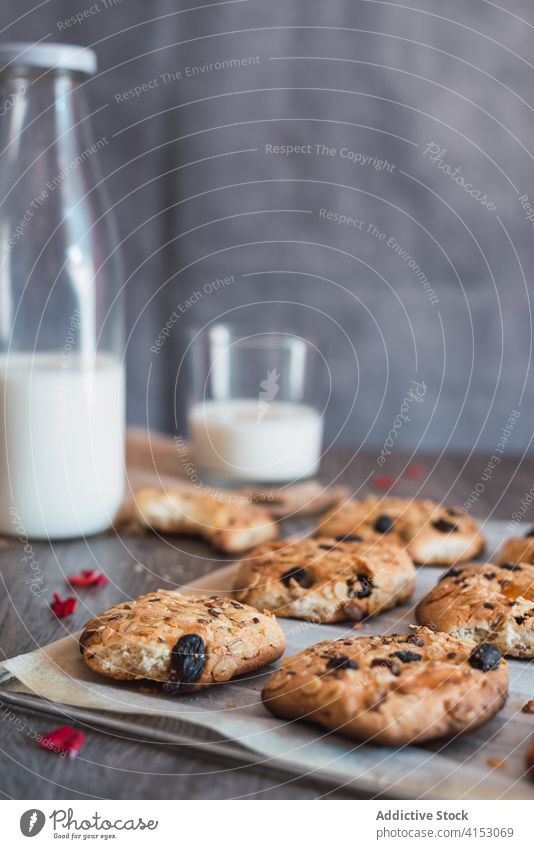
[(228, 526), (433, 534), (484, 602), (395, 689), (323, 580), (183, 643)]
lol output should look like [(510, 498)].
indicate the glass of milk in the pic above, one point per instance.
[(61, 337), (255, 410)]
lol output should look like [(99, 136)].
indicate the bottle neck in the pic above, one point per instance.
[(36, 106), (56, 244)]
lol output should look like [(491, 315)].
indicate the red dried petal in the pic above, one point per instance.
[(63, 607), (415, 471), (88, 578), (65, 740), (383, 482)]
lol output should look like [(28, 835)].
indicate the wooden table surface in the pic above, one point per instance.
[(112, 766)]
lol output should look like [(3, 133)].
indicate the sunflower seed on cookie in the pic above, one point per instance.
[(179, 642), (324, 580)]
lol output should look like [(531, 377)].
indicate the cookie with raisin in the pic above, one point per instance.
[(431, 533), (180, 643), (324, 580), (393, 690), (484, 602)]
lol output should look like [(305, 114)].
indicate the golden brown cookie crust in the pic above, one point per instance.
[(484, 602), (226, 525), (135, 639), (432, 534), (517, 550), (322, 580), (431, 690)]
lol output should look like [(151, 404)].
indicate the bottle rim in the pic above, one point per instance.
[(53, 56)]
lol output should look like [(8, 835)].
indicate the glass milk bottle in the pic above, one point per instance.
[(61, 337)]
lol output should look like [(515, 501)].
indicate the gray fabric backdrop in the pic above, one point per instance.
[(431, 280)]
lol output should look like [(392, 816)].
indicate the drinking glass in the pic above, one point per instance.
[(255, 407)]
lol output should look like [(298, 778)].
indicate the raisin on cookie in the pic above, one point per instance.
[(228, 526), (323, 580), (182, 643), (484, 602), (393, 690), (433, 534)]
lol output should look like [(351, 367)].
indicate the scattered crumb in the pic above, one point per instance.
[(138, 567), (357, 626), (231, 705), (496, 763), (529, 707)]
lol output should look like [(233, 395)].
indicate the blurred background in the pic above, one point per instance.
[(355, 171)]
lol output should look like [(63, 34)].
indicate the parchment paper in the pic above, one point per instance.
[(449, 770)]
